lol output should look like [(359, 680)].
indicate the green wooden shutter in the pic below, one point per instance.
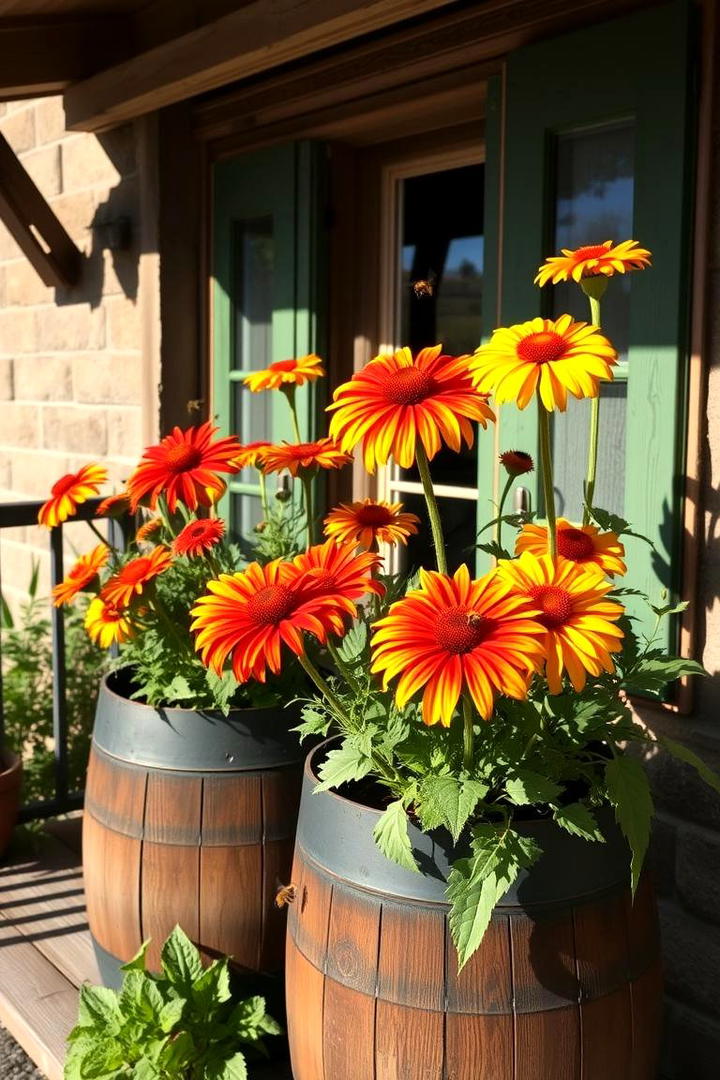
[(267, 281), (633, 69)]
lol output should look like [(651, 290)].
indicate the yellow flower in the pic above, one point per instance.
[(593, 260), (106, 623), (286, 374), (559, 356), (583, 544)]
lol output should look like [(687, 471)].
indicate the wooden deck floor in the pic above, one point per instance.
[(45, 948)]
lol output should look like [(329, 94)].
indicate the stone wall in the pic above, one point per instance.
[(71, 386)]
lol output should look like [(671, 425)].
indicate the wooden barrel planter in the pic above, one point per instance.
[(10, 785), (565, 986), (189, 818)]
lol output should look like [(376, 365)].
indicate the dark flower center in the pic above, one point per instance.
[(410, 386), (542, 348), (555, 605), (458, 630), (183, 457), (574, 544), (271, 605), (374, 515)]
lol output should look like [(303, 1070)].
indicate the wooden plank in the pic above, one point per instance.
[(305, 994), (479, 1047), (607, 1036), (112, 888), (230, 902), (43, 56), (647, 1006), (263, 34)]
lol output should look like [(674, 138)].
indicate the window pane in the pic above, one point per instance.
[(458, 522), (246, 512), (595, 180), (254, 257)]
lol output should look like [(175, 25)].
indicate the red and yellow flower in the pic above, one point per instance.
[(85, 570), (114, 506), (198, 537), (303, 457), (148, 529), (592, 260), (340, 573), (132, 579), (69, 491), (250, 454), (107, 624), (368, 522), (184, 467), (249, 616), (397, 401), (558, 357), (582, 544), (284, 374), (454, 635), (579, 620)]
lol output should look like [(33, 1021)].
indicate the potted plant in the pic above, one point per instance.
[(468, 867), (193, 782)]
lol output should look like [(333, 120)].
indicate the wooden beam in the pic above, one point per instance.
[(261, 35), (33, 224), (43, 56)]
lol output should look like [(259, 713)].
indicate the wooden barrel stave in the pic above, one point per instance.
[(569, 994)]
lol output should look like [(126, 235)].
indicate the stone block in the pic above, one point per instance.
[(35, 471), (74, 429), (42, 378), (124, 426), (77, 211), (698, 872), (662, 855), (691, 1045), (107, 378), (24, 286), (691, 955), (679, 789), (18, 332), (6, 379), (86, 164), (19, 129), (123, 322), (72, 327), (49, 120), (8, 247), (20, 425), (44, 167), (17, 562)]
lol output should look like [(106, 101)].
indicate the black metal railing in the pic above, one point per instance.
[(17, 514)]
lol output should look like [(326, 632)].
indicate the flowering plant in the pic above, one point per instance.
[(464, 704)]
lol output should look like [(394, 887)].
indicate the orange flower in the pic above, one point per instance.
[(396, 400), (516, 462), (249, 616), (114, 505), (453, 634), (578, 619), (184, 468), (323, 454), (583, 544), (250, 454), (198, 537), (592, 260), (286, 373), (106, 623), (69, 491), (558, 356), (148, 529), (135, 575), (367, 522), (336, 571), (84, 571)]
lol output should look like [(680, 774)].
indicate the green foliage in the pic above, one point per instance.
[(28, 694), (391, 836), (180, 1025), (578, 821), (629, 792)]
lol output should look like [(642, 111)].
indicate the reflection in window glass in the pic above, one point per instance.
[(595, 182), (253, 294)]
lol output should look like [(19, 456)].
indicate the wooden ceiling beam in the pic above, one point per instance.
[(258, 36), (44, 55)]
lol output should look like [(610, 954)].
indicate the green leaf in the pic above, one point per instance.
[(354, 643), (448, 801), (179, 689), (6, 619), (171, 1014), (391, 836), (682, 753), (99, 1009), (577, 820), (528, 788), (249, 1020), (652, 673), (346, 763), (213, 987), (177, 1054), (496, 550), (139, 960), (233, 1068), (629, 792), (476, 884), (614, 523), (671, 609), (314, 722), (145, 1070), (140, 998), (181, 960)]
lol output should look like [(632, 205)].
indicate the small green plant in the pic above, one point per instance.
[(180, 1024)]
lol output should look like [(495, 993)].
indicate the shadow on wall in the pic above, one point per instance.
[(114, 228)]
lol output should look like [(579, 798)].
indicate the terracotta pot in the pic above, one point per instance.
[(189, 818), (10, 784), (566, 984)]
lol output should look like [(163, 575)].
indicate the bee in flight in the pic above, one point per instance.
[(424, 287), (285, 895)]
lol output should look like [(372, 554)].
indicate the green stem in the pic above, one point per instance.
[(103, 539), (263, 495), (307, 496), (159, 608), (594, 429), (503, 497), (547, 475), (342, 667), (289, 393), (433, 511), (468, 734)]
